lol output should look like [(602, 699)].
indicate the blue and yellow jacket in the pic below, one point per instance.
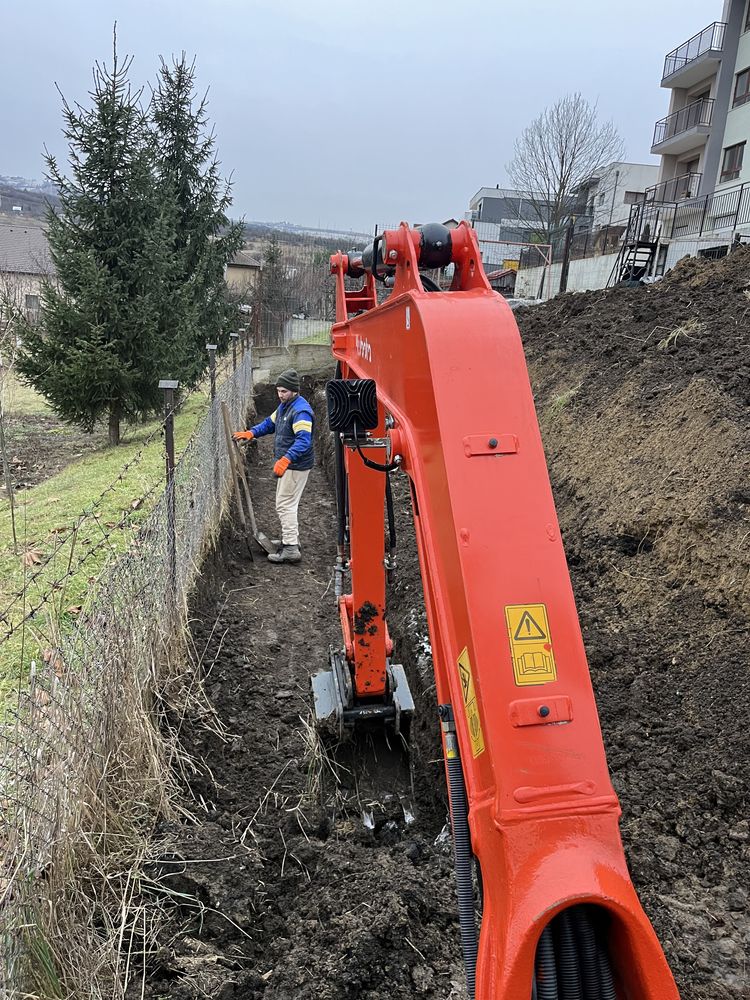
[(292, 423)]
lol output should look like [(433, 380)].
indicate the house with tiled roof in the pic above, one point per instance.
[(242, 273), (25, 263)]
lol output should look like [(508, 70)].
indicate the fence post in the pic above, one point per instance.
[(169, 386), (703, 217), (211, 348), (234, 337), (566, 258), (243, 345), (739, 205)]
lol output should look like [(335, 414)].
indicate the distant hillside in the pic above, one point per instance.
[(288, 232), (32, 197)]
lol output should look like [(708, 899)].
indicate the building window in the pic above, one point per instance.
[(601, 198), (741, 88), (732, 162), (32, 302), (632, 197)]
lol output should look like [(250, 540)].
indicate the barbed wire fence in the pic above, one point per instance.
[(83, 769)]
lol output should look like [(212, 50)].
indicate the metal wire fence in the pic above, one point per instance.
[(81, 730), (293, 297)]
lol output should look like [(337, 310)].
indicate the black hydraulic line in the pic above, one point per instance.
[(608, 991), (428, 284), (390, 467), (340, 472), (391, 515), (463, 861), (569, 975), (587, 951), (338, 449), (545, 969)]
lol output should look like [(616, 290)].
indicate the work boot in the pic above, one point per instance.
[(286, 554)]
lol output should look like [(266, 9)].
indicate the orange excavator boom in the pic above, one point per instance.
[(434, 383)]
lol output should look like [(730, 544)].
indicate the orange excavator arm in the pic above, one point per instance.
[(532, 804)]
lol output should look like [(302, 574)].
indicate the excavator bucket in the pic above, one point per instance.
[(336, 709)]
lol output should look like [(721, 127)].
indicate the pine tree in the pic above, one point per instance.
[(101, 346), (205, 239)]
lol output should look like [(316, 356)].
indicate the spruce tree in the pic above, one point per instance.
[(100, 347), (205, 240)]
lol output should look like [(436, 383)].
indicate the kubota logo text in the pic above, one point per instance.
[(363, 349)]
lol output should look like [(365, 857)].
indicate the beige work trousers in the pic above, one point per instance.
[(288, 493)]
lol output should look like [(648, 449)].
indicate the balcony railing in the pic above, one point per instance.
[(675, 189), (711, 39), (698, 113)]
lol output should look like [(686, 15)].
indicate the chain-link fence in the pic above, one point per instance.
[(81, 743), (291, 296)]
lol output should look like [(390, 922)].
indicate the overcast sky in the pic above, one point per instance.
[(345, 114)]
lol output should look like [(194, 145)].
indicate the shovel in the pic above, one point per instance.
[(241, 487)]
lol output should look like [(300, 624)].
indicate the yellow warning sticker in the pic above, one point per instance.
[(530, 644), (470, 703)]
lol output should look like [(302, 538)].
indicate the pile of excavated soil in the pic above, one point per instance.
[(642, 397)]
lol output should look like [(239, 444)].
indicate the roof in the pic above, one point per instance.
[(244, 259), (24, 250)]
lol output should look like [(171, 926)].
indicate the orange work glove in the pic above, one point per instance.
[(243, 436), (281, 466)]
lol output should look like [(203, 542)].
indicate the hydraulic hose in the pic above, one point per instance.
[(340, 470), (545, 968), (571, 960), (608, 991), (464, 860), (340, 491), (587, 951), (567, 958)]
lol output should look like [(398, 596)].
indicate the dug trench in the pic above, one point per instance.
[(643, 407)]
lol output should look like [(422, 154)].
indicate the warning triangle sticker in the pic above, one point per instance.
[(529, 629), (465, 680)]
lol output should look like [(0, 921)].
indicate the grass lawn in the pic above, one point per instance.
[(45, 515), (321, 337), (20, 400)]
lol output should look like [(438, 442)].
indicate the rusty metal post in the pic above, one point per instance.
[(169, 386), (211, 348), (234, 337)]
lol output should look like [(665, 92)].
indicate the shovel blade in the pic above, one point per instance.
[(265, 542)]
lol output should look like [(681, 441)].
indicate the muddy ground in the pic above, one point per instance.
[(39, 446), (642, 396)]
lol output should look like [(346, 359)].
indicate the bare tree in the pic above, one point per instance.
[(557, 154)]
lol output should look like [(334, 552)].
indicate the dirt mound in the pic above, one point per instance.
[(642, 396)]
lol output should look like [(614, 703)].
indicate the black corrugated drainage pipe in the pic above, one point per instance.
[(464, 858)]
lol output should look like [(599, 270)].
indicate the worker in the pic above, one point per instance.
[(292, 425)]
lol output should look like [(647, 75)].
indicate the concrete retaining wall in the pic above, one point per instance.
[(308, 359), (591, 272)]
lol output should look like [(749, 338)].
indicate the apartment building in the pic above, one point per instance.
[(702, 197), (607, 197)]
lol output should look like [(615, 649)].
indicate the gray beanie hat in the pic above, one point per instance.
[(288, 380)]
